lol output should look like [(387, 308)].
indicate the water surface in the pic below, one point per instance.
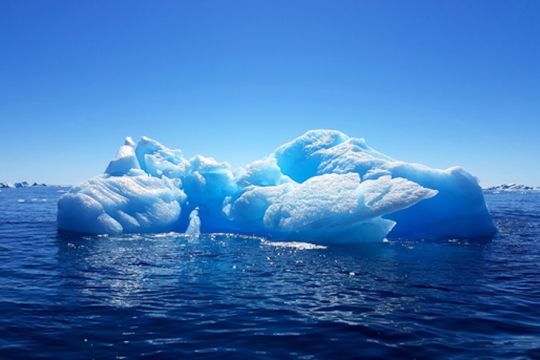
[(224, 296)]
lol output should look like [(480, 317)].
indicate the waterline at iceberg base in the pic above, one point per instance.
[(322, 187)]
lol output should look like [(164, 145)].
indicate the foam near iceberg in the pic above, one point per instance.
[(322, 187)]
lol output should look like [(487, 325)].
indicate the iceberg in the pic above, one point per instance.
[(19, 185), (512, 187), (134, 202), (322, 187)]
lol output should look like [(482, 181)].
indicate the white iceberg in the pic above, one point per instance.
[(134, 202), (323, 187)]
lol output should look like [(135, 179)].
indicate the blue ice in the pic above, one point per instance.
[(323, 187)]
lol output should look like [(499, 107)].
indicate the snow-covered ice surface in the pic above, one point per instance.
[(322, 187)]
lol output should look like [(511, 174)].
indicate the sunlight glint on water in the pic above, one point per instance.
[(171, 295)]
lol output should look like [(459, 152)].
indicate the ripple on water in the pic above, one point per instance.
[(171, 295)]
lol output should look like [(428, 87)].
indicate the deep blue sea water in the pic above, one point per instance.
[(221, 296)]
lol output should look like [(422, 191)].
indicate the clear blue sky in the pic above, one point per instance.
[(438, 82)]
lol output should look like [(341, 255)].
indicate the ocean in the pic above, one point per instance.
[(170, 296)]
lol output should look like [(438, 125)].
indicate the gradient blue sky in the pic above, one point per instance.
[(438, 82)]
